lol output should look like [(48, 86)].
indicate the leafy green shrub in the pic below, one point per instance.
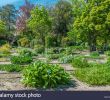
[(39, 48), (51, 40), (2, 42), (97, 75), (94, 54), (108, 60), (80, 62), (11, 68), (5, 49), (80, 48), (66, 59), (23, 42), (23, 59), (43, 75), (55, 50), (26, 52), (53, 56), (107, 53), (69, 50), (3, 55)]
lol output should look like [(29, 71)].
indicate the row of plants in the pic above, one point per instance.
[(11, 68), (22, 59), (96, 75), (92, 73)]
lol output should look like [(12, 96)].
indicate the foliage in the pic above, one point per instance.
[(27, 52), (40, 23), (80, 62), (42, 75), (107, 53), (66, 59), (53, 56), (92, 24), (22, 59), (8, 16), (2, 28), (66, 41), (5, 49), (24, 14), (94, 54), (24, 42), (99, 74), (51, 40), (61, 17), (11, 68), (39, 48)]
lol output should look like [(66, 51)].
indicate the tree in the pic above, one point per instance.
[(40, 23), (23, 16), (2, 28), (93, 24), (8, 15), (62, 17)]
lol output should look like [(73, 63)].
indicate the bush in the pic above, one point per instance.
[(24, 42), (107, 53), (51, 41), (55, 50), (94, 54), (26, 52), (42, 75), (5, 49), (53, 56), (39, 48), (23, 59), (11, 68), (80, 62), (69, 51), (97, 75), (2, 42), (66, 59)]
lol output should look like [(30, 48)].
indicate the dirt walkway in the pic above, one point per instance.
[(10, 81)]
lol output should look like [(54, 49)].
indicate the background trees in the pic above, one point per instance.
[(2, 28), (8, 15), (62, 18), (91, 26), (40, 24), (70, 23)]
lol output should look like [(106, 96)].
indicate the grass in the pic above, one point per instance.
[(80, 62), (98, 74)]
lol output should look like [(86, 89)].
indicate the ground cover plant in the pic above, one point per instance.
[(98, 74), (66, 59), (11, 68), (80, 62), (43, 75), (22, 59)]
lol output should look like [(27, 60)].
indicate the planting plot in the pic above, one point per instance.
[(61, 47)]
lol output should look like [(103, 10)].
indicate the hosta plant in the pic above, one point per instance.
[(43, 75)]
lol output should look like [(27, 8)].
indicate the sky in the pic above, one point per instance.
[(18, 3)]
